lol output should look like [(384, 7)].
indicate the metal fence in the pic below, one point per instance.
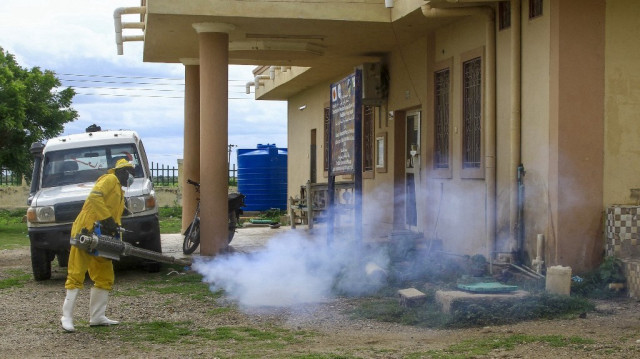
[(8, 178), (164, 175)]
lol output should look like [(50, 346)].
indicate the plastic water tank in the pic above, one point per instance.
[(262, 177)]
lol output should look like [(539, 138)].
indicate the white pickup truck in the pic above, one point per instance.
[(65, 170)]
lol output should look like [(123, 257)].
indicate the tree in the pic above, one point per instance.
[(33, 108)]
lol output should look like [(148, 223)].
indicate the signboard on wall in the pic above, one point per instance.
[(345, 109)]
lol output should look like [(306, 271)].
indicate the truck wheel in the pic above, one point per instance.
[(40, 263)]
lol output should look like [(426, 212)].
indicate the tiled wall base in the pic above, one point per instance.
[(622, 230)]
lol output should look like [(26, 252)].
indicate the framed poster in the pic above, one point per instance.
[(381, 152)]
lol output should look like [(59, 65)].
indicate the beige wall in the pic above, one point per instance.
[(458, 205), (16, 196), (535, 124), (562, 131), (622, 101), (299, 126)]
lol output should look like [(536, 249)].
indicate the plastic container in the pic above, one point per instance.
[(559, 280), (262, 177)]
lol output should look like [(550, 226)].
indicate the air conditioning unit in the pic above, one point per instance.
[(374, 83)]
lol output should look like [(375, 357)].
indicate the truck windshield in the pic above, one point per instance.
[(86, 164)]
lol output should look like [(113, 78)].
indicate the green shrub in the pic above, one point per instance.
[(594, 284)]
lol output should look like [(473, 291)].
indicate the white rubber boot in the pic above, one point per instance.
[(67, 310), (97, 307)]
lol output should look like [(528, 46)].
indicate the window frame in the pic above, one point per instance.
[(442, 172), (472, 172), (504, 15), (536, 9)]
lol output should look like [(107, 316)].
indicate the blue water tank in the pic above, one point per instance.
[(262, 177)]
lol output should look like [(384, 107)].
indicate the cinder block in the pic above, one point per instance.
[(411, 297), (558, 280)]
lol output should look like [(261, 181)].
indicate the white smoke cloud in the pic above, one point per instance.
[(293, 269)]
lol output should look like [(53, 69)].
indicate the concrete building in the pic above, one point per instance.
[(474, 88)]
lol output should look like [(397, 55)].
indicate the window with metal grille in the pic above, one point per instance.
[(327, 145), (504, 15), (472, 114), (441, 119), (535, 8), (368, 115)]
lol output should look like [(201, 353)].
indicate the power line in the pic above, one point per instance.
[(136, 89), (151, 96), (125, 82), (130, 77), (122, 77), (133, 83)]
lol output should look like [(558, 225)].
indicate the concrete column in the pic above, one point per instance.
[(191, 148), (214, 75), (576, 132)]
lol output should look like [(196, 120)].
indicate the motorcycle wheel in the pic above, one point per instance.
[(233, 223), (191, 238)]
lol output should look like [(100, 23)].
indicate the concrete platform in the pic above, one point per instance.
[(246, 239), (447, 298)]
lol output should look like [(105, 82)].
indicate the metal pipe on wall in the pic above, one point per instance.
[(515, 123)]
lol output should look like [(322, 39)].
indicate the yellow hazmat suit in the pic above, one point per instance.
[(105, 200)]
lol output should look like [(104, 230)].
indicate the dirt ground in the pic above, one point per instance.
[(31, 328)]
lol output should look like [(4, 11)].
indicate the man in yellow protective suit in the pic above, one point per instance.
[(104, 204)]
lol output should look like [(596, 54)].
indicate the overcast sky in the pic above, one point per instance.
[(76, 39)]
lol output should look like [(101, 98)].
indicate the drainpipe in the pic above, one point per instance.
[(272, 72), (119, 25), (490, 108), (248, 86), (256, 81), (515, 126)]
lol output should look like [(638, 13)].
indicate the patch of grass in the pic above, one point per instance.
[(272, 214), (190, 285), (170, 219), (219, 310), (465, 314), (542, 306), (13, 233), (274, 337), (322, 356), (387, 309), (16, 278), (160, 332), (242, 341), (483, 346)]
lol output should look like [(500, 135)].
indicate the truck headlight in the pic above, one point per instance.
[(141, 203), (44, 214)]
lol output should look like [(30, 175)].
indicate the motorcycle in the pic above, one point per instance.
[(235, 202)]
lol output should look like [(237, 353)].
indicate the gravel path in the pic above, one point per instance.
[(31, 329)]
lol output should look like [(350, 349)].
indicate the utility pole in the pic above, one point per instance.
[(229, 158)]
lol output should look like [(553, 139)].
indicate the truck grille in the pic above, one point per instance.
[(67, 212)]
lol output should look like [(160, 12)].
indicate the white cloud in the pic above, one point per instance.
[(78, 37)]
